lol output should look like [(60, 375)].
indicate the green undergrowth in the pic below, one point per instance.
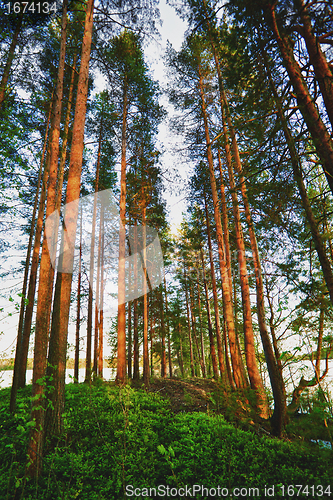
[(116, 438)]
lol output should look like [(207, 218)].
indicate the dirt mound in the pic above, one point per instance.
[(186, 395)]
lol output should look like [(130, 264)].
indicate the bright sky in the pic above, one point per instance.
[(172, 30)]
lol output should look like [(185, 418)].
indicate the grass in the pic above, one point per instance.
[(117, 439)]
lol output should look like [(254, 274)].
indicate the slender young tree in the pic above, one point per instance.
[(210, 327), (78, 310)]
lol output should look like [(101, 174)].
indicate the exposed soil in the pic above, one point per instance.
[(192, 394)]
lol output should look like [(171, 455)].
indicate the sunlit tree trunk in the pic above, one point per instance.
[(181, 357), (188, 323), (65, 135), (152, 335), (250, 354), (70, 221), (136, 369), (227, 297), (53, 342), (129, 339), (101, 305), (222, 365), (121, 354), (194, 330), (129, 319), (167, 327), (322, 69), (92, 266), (23, 335), (319, 133), (210, 328), (97, 298), (163, 353), (78, 311), (277, 383), (145, 305), (35, 448), (202, 347)]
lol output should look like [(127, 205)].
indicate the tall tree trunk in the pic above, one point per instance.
[(188, 323), (168, 327), (227, 298), (91, 265), (298, 175), (136, 369), (70, 224), (210, 328), (319, 133), (225, 221), (65, 136), (202, 347), (181, 358), (23, 336), (121, 356), (322, 69), (97, 298), (100, 361), (129, 339), (129, 321), (78, 311), (35, 450), (61, 319), (146, 376), (163, 353), (222, 365), (10, 57), (53, 342), (152, 331), (276, 379), (194, 330), (250, 354), (277, 383)]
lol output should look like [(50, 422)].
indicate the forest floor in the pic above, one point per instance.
[(209, 396), (180, 432), (192, 395)]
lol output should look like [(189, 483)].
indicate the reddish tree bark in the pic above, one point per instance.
[(23, 335), (319, 133), (224, 368), (78, 312), (210, 328), (250, 354), (188, 323), (227, 297), (70, 224), (10, 57), (121, 353), (35, 448)]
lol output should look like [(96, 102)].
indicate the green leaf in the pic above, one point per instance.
[(161, 449)]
